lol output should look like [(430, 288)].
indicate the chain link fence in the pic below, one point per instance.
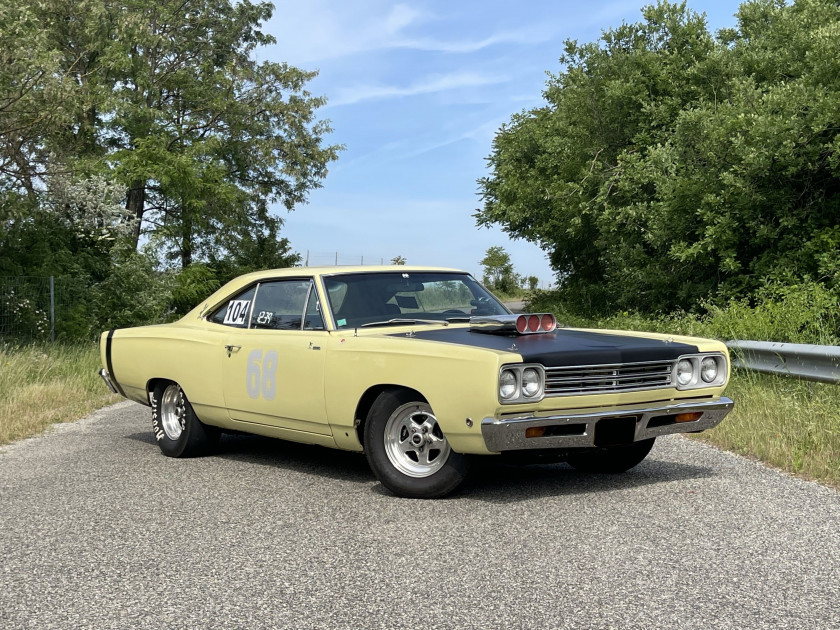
[(29, 306), (331, 259)]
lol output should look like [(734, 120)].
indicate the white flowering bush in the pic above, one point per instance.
[(23, 317), (92, 207)]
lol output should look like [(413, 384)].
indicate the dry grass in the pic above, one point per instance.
[(791, 424), (47, 383), (788, 423)]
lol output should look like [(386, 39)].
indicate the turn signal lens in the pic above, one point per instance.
[(688, 417), (534, 432)]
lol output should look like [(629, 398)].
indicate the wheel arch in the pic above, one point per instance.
[(153, 383), (367, 400)]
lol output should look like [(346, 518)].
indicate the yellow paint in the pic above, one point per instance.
[(322, 375)]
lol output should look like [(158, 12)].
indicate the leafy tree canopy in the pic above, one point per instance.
[(145, 134), (670, 164), (165, 98)]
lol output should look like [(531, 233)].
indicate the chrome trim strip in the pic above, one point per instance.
[(509, 434)]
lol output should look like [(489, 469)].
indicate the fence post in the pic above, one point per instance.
[(336, 259), (306, 264), (52, 308)]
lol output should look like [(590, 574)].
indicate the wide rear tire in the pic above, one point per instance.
[(177, 430)]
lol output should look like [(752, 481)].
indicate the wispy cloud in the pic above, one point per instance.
[(429, 85), (483, 134), (314, 31), (528, 36)]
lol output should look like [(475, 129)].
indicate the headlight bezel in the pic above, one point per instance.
[(519, 396), (697, 380)]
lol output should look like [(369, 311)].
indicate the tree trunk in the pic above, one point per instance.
[(186, 240), (136, 205)]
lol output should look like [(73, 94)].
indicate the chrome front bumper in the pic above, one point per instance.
[(579, 430)]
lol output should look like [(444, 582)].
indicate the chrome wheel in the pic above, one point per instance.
[(414, 442), (173, 412)]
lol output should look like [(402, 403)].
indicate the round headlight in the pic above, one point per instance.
[(685, 372), (530, 382), (507, 384), (708, 369)]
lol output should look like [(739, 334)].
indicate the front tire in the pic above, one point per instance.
[(407, 450), (611, 460), (177, 430)]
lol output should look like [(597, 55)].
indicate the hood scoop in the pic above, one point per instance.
[(529, 324)]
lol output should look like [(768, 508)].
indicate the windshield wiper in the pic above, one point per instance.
[(399, 320)]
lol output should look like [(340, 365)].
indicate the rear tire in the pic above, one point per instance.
[(177, 430), (611, 460), (407, 450)]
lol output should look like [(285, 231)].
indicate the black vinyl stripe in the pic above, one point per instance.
[(110, 365)]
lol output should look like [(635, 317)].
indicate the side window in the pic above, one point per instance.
[(279, 305), (236, 311), (314, 319)]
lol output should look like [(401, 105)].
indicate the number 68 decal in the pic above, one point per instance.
[(262, 374)]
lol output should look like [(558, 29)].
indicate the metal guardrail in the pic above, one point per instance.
[(802, 360)]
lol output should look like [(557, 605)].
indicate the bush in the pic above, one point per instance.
[(800, 313)]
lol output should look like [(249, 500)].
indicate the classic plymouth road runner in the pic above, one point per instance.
[(420, 368)]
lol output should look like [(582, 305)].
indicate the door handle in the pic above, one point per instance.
[(231, 349)]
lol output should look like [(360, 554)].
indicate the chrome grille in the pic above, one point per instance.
[(605, 379)]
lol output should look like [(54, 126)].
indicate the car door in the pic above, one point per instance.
[(273, 358)]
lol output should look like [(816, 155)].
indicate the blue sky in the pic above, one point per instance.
[(416, 92)]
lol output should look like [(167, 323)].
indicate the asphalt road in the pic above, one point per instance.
[(98, 530)]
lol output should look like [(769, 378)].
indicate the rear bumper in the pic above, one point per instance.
[(578, 430), (107, 378)]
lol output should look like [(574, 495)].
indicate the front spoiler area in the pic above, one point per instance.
[(578, 430)]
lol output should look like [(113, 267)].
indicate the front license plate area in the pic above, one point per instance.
[(612, 431)]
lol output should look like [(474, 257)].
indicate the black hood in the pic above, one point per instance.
[(567, 347)]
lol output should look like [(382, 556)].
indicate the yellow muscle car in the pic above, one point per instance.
[(420, 368)]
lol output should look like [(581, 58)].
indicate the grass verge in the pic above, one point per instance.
[(788, 423), (47, 383)]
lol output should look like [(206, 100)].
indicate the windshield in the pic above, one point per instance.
[(383, 298)]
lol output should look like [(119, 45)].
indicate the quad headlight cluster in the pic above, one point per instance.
[(700, 370), (521, 383)]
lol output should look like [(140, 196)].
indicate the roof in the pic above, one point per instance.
[(245, 280), (338, 269)]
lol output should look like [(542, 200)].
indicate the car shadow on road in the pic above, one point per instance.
[(491, 479), (266, 451), (500, 482)]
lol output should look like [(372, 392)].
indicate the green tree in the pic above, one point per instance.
[(498, 270), (167, 99), (196, 140), (398, 260), (670, 164)]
